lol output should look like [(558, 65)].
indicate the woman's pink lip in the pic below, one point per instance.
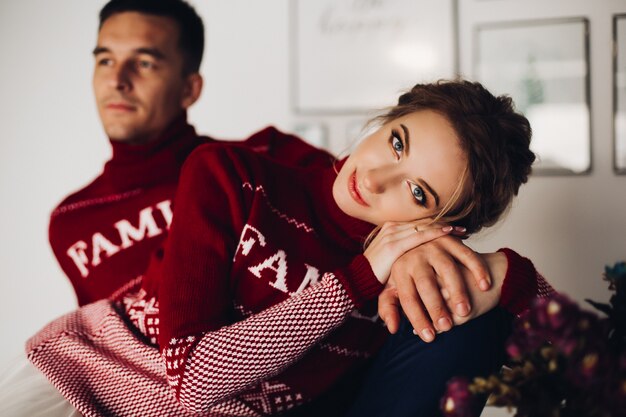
[(353, 188)]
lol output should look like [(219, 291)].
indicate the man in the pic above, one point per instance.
[(147, 59)]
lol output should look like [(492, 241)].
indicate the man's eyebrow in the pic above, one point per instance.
[(154, 52), (407, 139), (100, 50), (430, 190), (151, 51)]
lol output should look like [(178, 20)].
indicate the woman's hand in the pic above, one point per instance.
[(393, 240), (418, 278), (483, 301)]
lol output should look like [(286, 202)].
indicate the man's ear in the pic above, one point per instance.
[(192, 90)]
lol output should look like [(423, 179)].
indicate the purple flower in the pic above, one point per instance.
[(458, 400)]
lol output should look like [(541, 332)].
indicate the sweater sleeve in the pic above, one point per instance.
[(209, 368), (522, 284), (208, 356)]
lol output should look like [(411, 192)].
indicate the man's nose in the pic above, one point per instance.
[(121, 77), (377, 180)]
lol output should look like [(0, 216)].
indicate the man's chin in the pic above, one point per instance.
[(125, 134)]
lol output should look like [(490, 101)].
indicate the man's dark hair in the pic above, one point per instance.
[(190, 26)]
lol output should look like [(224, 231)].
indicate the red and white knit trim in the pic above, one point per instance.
[(288, 219), (104, 367), (544, 289), (250, 351), (96, 201), (100, 365), (143, 312)]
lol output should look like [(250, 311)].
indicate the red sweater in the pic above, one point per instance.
[(258, 285), (103, 235), (254, 301)]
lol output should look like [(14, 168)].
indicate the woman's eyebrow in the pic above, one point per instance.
[(407, 139)]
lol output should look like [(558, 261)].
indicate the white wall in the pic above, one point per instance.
[(51, 142), (569, 226)]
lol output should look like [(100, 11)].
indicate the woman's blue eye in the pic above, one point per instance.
[(418, 193), (396, 144)]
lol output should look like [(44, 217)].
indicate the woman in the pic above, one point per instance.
[(263, 298)]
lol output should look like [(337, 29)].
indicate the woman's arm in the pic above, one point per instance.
[(208, 368), (447, 263)]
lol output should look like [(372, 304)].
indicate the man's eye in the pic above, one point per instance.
[(105, 62), (146, 64), (396, 144), (418, 193)]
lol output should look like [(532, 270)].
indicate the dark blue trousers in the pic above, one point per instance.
[(408, 376)]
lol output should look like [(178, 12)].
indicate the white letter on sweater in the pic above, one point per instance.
[(246, 245), (166, 210), (99, 244), (281, 269), (311, 277), (146, 223), (78, 255)]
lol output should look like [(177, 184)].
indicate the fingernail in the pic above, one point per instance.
[(428, 335), (447, 229), (462, 309), (484, 284), (443, 324), (460, 229)]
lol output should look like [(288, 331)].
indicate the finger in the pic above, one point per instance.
[(414, 310), (470, 260), (393, 225), (393, 228), (409, 239), (389, 309), (460, 232), (434, 303), (453, 281)]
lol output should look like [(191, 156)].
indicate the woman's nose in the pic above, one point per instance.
[(377, 180)]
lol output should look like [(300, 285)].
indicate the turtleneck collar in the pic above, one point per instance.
[(133, 166), (346, 230), (131, 153)]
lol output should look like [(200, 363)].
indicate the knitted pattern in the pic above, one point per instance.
[(104, 234), (247, 322)]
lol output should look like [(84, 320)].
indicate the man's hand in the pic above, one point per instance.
[(426, 280)]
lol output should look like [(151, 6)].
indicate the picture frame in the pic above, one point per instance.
[(619, 94), (544, 66), (352, 56)]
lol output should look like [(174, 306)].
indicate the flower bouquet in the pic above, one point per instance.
[(565, 362)]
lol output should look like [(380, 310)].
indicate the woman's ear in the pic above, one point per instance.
[(192, 90)]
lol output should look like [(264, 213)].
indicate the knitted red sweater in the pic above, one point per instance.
[(104, 234), (254, 301), (260, 275)]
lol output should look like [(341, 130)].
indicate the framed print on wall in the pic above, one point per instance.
[(619, 94), (357, 55), (544, 66)]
